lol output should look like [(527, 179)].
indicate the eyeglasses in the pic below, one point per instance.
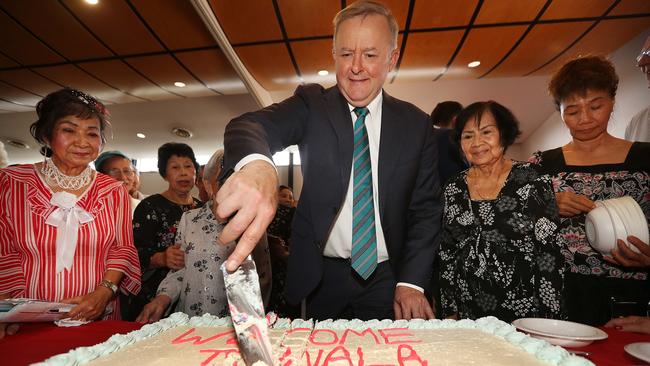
[(117, 172)]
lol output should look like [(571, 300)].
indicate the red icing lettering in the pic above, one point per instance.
[(359, 334), (411, 356), (389, 333), (308, 356), (197, 340), (360, 355), (295, 330), (284, 356), (216, 353), (316, 332), (344, 357)]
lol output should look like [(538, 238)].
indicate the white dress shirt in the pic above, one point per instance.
[(339, 243)]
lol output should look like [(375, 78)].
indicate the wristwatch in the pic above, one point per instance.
[(109, 285)]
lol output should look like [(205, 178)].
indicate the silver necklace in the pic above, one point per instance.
[(53, 176)]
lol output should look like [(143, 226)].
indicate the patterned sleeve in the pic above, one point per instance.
[(12, 281), (146, 223), (447, 253), (172, 284), (536, 158), (122, 256), (542, 207)]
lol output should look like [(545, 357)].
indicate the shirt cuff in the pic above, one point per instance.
[(252, 157), (411, 286)]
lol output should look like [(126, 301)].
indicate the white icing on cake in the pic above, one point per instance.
[(210, 340)]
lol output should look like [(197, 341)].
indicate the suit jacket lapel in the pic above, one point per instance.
[(339, 116), (391, 140)]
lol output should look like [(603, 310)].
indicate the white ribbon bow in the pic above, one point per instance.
[(66, 218)]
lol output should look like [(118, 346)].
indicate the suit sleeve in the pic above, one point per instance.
[(424, 218), (268, 130)]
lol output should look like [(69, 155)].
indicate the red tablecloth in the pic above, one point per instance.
[(38, 341)]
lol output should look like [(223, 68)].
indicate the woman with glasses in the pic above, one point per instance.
[(119, 167), (595, 166), (498, 254)]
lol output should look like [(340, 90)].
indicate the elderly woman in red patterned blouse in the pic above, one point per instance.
[(65, 230)]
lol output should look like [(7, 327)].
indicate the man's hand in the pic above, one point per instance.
[(624, 256), (90, 306), (410, 304), (153, 311), (571, 204), (639, 324), (251, 196)]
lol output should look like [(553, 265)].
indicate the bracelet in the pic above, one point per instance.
[(109, 285)]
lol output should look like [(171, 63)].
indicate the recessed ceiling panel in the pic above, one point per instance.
[(74, 77), (427, 54), (7, 107), (442, 13), (543, 43), (247, 21), (499, 11), (315, 56), (276, 75), (116, 25), (53, 24), (632, 7), (176, 23), (214, 69), (400, 10), (21, 46), (28, 80), (308, 18), (564, 9), (487, 45), (18, 96), (165, 71), (123, 77), (604, 39), (6, 62)]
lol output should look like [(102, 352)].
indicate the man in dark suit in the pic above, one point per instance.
[(450, 159), (364, 232)]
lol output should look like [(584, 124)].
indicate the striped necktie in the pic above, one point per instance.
[(364, 239)]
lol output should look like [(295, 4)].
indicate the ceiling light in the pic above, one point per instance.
[(19, 144), (182, 132), (141, 135), (323, 73), (92, 2), (473, 64), (180, 84)]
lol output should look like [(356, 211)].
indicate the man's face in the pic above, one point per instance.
[(643, 61), (364, 55)]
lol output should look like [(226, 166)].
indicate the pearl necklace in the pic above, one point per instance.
[(53, 176)]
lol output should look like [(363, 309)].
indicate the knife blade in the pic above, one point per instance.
[(247, 313)]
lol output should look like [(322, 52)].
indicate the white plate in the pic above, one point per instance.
[(640, 350), (560, 329)]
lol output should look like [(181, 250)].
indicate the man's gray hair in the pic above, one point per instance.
[(213, 166), (365, 8)]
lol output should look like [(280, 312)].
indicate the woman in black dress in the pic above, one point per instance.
[(498, 252), (155, 222), (596, 166)]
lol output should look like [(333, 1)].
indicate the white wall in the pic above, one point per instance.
[(633, 95)]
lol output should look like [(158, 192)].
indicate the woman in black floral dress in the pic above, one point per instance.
[(596, 166), (498, 252), (155, 223)]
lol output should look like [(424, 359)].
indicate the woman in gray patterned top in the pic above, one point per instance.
[(198, 287), (498, 252)]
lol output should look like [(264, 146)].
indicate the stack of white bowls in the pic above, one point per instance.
[(615, 219)]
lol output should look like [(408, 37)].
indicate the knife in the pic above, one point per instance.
[(247, 313)]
